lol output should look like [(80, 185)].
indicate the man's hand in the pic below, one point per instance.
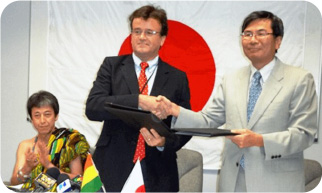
[(152, 138), (246, 138), (169, 107), (150, 103)]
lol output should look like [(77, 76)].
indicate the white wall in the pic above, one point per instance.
[(314, 17), (15, 53), (15, 26)]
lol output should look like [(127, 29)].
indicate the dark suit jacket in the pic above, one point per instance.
[(117, 82)]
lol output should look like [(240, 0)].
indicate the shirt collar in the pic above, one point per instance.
[(265, 71), (152, 63)]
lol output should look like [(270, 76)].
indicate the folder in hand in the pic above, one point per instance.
[(140, 118), (203, 132)]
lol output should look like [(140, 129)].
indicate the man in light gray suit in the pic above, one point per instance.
[(268, 153)]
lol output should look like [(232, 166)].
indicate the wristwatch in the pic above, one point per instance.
[(20, 174)]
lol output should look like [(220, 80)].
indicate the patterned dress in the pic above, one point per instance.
[(64, 145)]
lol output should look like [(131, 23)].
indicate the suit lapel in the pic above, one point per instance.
[(242, 99), (129, 74), (160, 78), (271, 88)]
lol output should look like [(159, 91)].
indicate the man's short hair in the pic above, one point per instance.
[(277, 23), (149, 11)]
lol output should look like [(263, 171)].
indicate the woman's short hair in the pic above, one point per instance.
[(40, 99)]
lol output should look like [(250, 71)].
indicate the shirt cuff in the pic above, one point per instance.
[(160, 148)]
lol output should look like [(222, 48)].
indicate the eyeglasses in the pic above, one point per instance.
[(148, 33), (259, 34)]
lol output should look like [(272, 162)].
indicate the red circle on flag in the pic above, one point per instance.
[(186, 50), (140, 189)]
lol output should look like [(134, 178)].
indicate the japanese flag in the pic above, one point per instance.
[(135, 182)]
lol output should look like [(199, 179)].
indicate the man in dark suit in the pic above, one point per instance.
[(118, 82)]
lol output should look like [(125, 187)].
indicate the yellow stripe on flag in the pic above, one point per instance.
[(91, 180), (89, 174)]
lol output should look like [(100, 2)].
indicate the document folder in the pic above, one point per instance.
[(203, 132), (139, 118)]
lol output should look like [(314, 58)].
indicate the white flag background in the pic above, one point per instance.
[(78, 35), (135, 182)]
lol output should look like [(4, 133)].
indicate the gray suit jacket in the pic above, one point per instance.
[(285, 114)]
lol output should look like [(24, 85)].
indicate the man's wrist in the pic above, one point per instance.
[(175, 110), (143, 102), (260, 140), (140, 102)]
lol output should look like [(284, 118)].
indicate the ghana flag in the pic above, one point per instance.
[(91, 180)]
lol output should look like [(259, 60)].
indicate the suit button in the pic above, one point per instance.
[(237, 164), (279, 156), (272, 157)]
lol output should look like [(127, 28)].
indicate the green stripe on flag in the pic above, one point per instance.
[(92, 186)]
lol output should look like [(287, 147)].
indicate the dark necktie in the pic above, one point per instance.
[(143, 88)]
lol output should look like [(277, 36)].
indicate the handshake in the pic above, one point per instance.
[(160, 106)]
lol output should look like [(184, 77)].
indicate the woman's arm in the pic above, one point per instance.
[(76, 168), (26, 160)]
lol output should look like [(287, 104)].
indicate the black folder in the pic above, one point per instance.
[(140, 118), (203, 132)]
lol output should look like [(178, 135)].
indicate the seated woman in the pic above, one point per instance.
[(63, 148)]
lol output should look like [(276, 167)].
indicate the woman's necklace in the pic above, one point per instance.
[(36, 139)]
